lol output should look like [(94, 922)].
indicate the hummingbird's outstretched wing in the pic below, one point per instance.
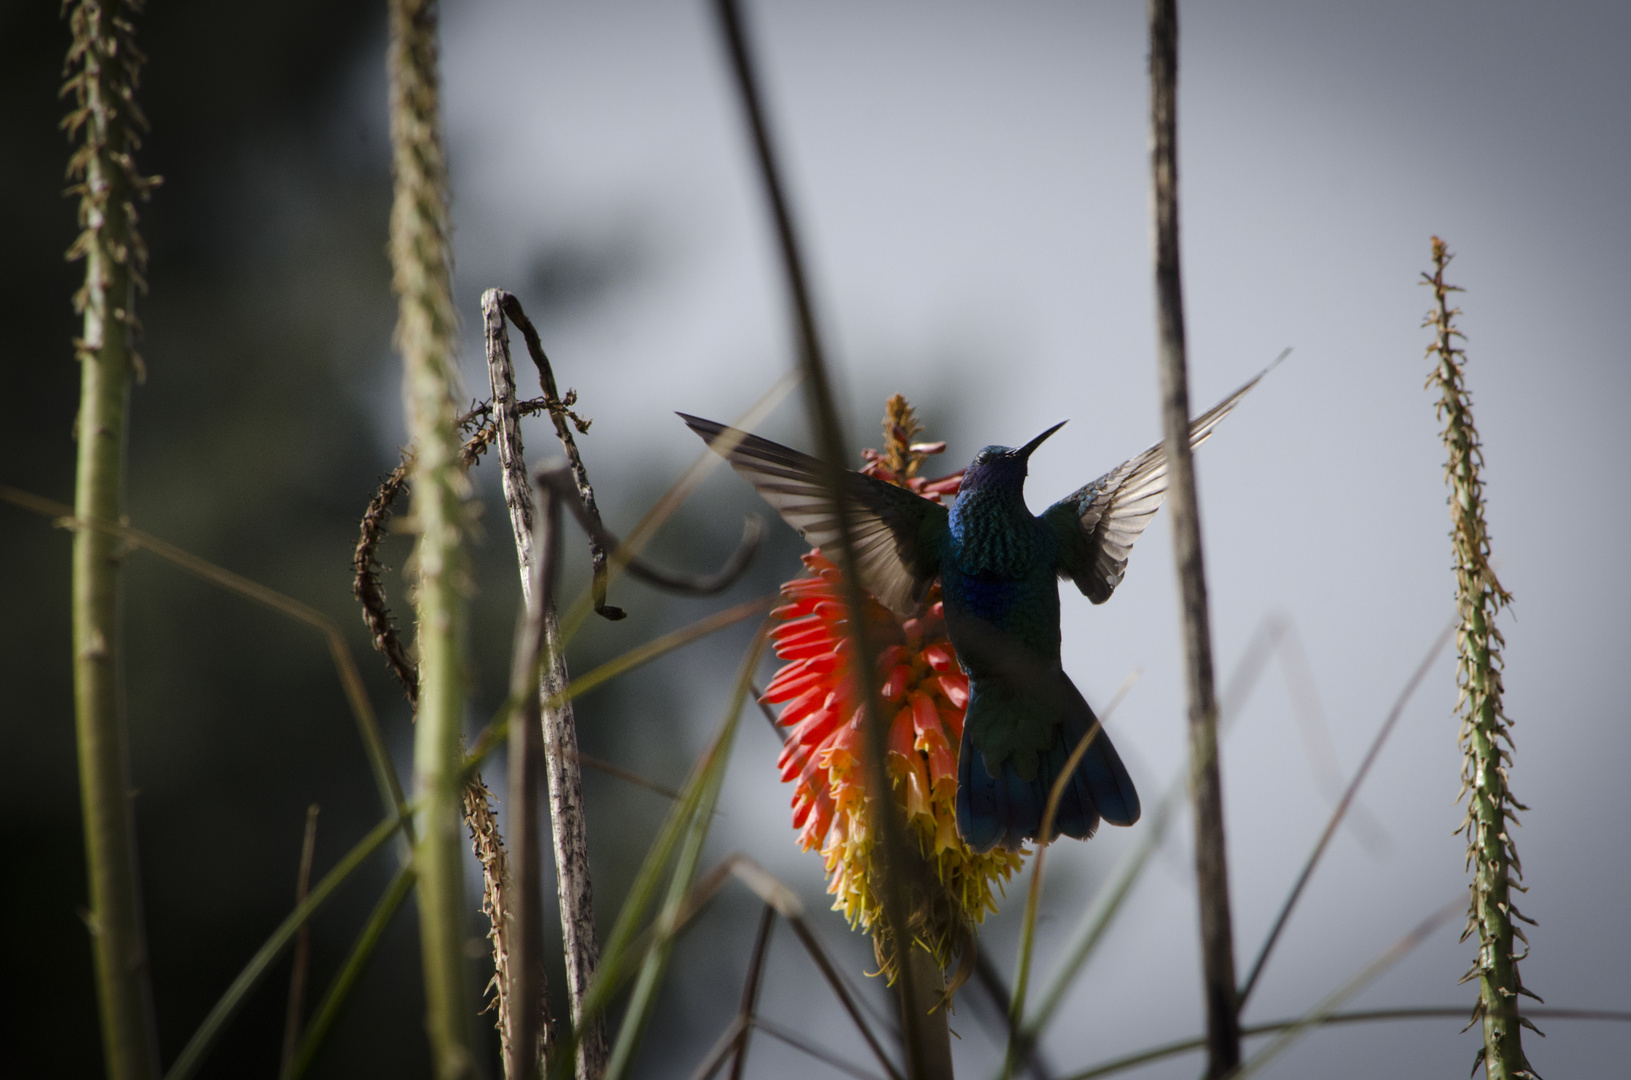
[(896, 532), (1097, 524)]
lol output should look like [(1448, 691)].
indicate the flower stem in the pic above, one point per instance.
[(1490, 819), (426, 335), (103, 69)]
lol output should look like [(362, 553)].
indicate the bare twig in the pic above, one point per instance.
[(559, 413), (1211, 870), (928, 1040), (671, 499), (560, 740), (798, 1042), (750, 990), (1333, 1001), (724, 1046), (566, 485), (339, 990), (989, 979), (302, 948), (688, 584), (526, 975), (1342, 806), (562, 758)]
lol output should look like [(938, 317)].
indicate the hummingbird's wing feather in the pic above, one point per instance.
[(894, 531), (1097, 524)]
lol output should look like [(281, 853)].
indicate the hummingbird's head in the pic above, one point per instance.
[(1004, 465)]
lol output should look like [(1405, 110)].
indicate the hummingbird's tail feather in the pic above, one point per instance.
[(1005, 809), (1103, 777)]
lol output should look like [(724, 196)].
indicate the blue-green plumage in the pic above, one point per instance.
[(999, 567), (999, 570)]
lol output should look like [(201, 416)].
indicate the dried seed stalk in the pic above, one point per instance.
[(488, 845), (481, 427), (1491, 855)]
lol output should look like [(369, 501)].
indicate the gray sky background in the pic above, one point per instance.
[(971, 182)]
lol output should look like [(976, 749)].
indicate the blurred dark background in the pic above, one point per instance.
[(256, 442), (269, 306)]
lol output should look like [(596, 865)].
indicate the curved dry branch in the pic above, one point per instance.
[(560, 412), (559, 479)]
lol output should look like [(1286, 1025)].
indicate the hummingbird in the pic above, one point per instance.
[(999, 568)]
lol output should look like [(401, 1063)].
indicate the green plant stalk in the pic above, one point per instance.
[(626, 943), (334, 998), (103, 68), (192, 1055), (1491, 817), (643, 999), (426, 335)]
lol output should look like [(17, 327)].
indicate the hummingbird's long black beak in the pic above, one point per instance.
[(1025, 451)]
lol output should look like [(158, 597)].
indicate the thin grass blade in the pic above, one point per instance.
[(1107, 902), (1342, 806), (1017, 1049), (334, 998), (497, 730), (672, 499), (362, 710), (1334, 1000), (644, 998), (192, 1055), (1179, 1047)]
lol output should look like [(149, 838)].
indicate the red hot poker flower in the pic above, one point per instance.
[(924, 694)]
